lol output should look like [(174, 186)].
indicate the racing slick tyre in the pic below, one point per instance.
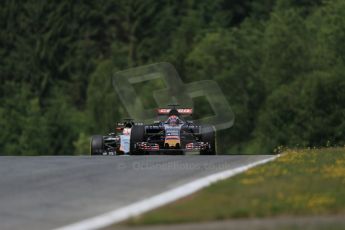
[(97, 145), (137, 135), (208, 134)]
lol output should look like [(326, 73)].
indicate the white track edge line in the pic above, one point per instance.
[(137, 208)]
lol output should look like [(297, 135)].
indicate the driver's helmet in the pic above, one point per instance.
[(126, 131), (173, 120)]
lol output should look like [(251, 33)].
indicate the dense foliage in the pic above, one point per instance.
[(280, 64)]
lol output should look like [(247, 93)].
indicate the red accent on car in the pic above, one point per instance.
[(184, 111)]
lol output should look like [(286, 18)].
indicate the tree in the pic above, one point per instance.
[(308, 112)]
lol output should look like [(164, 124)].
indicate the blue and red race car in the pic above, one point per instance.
[(173, 133)]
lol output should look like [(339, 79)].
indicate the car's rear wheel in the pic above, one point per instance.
[(137, 135), (97, 145), (208, 135)]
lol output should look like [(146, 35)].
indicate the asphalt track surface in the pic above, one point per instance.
[(51, 192)]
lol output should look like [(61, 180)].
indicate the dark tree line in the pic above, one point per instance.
[(280, 64)]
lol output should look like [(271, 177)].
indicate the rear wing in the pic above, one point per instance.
[(122, 125), (182, 111)]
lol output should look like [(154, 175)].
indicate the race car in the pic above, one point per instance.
[(115, 143), (173, 135)]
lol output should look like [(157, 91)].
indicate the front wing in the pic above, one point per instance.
[(152, 147)]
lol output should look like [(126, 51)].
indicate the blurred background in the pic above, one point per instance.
[(280, 64)]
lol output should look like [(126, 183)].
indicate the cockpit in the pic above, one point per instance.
[(173, 120)]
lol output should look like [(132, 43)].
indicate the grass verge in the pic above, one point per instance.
[(300, 182)]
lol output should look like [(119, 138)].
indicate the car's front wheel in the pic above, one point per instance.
[(97, 145), (137, 135), (209, 135)]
